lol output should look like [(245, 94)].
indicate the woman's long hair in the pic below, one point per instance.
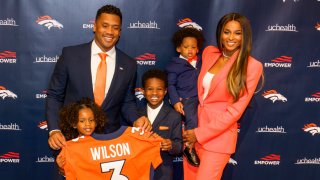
[(236, 80)]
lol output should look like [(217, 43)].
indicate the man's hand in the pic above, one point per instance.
[(144, 123), (179, 107), (56, 140), (166, 145)]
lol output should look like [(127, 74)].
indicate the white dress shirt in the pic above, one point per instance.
[(206, 82), (193, 62), (95, 60), (153, 113)]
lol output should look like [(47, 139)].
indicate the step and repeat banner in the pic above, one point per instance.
[(279, 134)]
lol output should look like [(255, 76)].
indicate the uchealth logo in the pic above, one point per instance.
[(187, 22), (8, 57), (177, 159), (5, 93), (144, 25), (10, 127), (311, 128), (273, 95), (308, 161), (314, 64), (45, 159), (314, 98), (267, 129), (46, 59), (280, 62), (138, 93), (88, 25), (43, 125), (292, 0), (146, 59), (286, 28), (269, 160), (317, 26), (49, 22), (8, 22), (10, 157)]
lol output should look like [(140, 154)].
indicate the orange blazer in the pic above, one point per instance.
[(218, 115)]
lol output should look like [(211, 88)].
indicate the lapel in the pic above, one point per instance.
[(206, 65), (143, 111), (116, 80), (221, 76), (160, 117), (85, 75)]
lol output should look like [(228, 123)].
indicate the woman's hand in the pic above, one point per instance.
[(189, 137)]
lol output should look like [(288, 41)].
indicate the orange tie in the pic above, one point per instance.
[(100, 85)]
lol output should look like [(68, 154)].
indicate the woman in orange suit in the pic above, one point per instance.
[(226, 83)]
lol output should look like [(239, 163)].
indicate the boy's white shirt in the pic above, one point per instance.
[(193, 62), (152, 113)]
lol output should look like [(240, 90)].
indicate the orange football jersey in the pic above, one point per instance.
[(127, 153)]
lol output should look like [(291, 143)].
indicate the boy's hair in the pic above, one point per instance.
[(179, 35), (69, 117), (154, 73), (109, 9)]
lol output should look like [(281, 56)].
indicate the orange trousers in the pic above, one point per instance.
[(211, 165)]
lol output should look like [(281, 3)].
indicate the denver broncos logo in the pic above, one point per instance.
[(43, 125), (138, 93), (48, 22), (273, 95), (232, 161), (187, 22), (318, 26), (311, 128), (6, 93)]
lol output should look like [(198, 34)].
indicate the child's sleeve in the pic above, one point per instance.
[(172, 91), (68, 168), (176, 136)]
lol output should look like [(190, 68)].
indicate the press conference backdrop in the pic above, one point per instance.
[(278, 135)]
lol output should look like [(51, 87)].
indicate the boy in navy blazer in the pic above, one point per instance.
[(166, 122)]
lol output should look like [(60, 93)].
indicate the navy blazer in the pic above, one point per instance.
[(182, 79), (170, 119), (71, 81)]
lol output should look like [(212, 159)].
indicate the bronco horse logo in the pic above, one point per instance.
[(187, 22), (273, 95), (232, 161), (138, 93), (311, 128), (48, 22), (318, 26), (6, 93)]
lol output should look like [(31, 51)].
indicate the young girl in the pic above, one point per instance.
[(81, 118)]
